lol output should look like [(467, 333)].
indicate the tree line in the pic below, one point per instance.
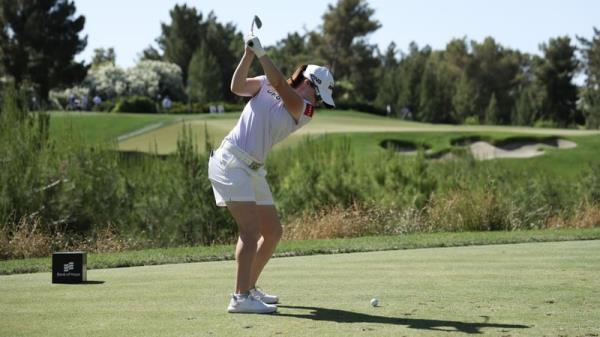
[(467, 82)]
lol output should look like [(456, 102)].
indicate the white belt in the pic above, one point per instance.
[(241, 155)]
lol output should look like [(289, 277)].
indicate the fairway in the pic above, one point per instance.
[(533, 289), (164, 139)]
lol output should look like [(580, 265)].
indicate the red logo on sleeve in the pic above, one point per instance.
[(309, 111)]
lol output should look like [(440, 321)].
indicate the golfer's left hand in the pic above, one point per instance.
[(253, 43)]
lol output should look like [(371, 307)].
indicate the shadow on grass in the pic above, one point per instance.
[(83, 283), (342, 316)]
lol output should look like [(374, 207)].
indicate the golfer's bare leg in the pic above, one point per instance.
[(246, 216), (271, 231)]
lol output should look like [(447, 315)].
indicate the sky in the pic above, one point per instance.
[(129, 26)]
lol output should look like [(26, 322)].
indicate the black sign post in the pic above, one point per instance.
[(69, 267)]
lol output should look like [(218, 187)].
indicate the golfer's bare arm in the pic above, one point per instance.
[(293, 103), (241, 85)]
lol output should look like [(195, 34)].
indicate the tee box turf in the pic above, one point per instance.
[(69, 267)]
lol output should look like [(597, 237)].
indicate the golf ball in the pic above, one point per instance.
[(374, 302)]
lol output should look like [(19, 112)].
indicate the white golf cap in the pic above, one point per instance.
[(323, 80)]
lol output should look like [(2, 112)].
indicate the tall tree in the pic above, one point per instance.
[(204, 80), (464, 99), (291, 52), (411, 69), (436, 91), (387, 95), (491, 112), (38, 42), (103, 56), (556, 73), (494, 70), (182, 37), (187, 32), (591, 92), (342, 44)]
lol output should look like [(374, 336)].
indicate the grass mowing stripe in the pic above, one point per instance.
[(308, 247)]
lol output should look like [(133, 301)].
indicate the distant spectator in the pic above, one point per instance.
[(388, 109), (167, 103), (71, 102), (97, 100), (212, 109), (84, 102), (220, 108)]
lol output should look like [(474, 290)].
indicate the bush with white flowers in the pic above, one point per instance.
[(147, 78)]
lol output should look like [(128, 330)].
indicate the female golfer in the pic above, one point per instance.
[(277, 108)]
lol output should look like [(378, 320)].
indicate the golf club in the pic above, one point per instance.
[(255, 21)]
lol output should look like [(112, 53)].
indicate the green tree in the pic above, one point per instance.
[(226, 43), (204, 80), (556, 74), (182, 37), (103, 56), (150, 54), (38, 42), (291, 52), (436, 91), (590, 51), (388, 79), (342, 44), (494, 70), (411, 68), (188, 32), (464, 99), (492, 112)]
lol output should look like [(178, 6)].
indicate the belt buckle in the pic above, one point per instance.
[(254, 165)]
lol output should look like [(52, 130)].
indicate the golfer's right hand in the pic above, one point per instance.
[(253, 43)]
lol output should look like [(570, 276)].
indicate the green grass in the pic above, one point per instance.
[(533, 289), (307, 247), (102, 127), (365, 131), (325, 122)]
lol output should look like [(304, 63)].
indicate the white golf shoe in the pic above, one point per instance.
[(249, 305), (261, 295)]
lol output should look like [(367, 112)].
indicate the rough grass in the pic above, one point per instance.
[(534, 289)]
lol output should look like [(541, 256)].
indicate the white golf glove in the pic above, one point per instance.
[(254, 43)]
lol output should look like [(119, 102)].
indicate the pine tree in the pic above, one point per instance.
[(204, 80), (38, 42), (492, 112)]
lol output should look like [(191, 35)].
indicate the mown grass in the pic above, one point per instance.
[(102, 127), (325, 122), (534, 289), (307, 247)]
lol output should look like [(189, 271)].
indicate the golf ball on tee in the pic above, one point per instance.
[(374, 302)]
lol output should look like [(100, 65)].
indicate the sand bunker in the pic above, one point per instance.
[(517, 149)]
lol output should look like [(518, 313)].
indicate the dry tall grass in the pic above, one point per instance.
[(29, 241)]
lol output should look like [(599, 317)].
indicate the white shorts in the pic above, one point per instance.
[(233, 180)]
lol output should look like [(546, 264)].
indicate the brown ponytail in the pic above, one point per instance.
[(297, 76)]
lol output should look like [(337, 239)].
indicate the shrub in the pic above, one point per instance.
[(545, 123), (106, 105), (472, 120), (135, 104)]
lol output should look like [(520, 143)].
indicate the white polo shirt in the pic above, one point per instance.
[(265, 122)]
